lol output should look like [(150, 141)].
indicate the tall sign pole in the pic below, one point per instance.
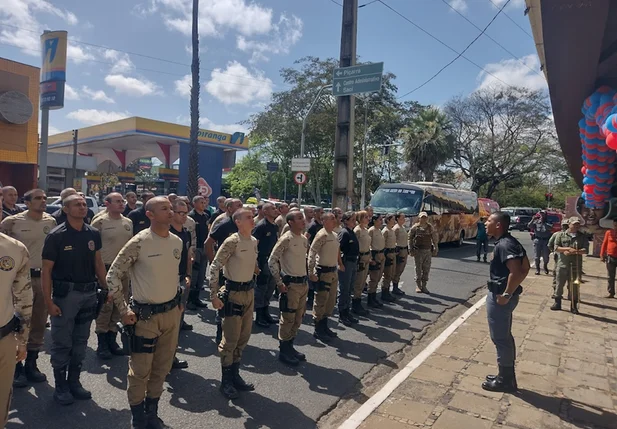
[(343, 147)]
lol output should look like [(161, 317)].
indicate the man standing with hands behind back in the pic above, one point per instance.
[(608, 254)]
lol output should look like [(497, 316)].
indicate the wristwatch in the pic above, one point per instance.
[(506, 295)]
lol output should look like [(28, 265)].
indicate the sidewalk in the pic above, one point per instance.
[(565, 369)]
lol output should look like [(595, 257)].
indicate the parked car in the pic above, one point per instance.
[(51, 208), (520, 217), (92, 202), (554, 218)]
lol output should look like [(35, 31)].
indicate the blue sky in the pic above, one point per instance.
[(244, 43)]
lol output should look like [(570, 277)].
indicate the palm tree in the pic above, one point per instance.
[(193, 150), (427, 143)]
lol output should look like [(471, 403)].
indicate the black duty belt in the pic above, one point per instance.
[(322, 269), (77, 287), (292, 279), (9, 328), (35, 272), (399, 248), (145, 311), (365, 253), (239, 286), (389, 250), (376, 252), (351, 258)]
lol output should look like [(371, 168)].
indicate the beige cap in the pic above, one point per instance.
[(574, 219), (423, 214)]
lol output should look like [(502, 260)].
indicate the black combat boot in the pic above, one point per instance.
[(77, 390), (357, 308), (396, 290), (423, 287), (62, 393), (260, 319), (386, 297), (152, 415), (239, 383), (546, 269), (227, 383), (373, 302), (286, 355), (329, 332), (102, 351), (493, 377), (186, 326), (505, 381), (351, 318), (219, 333), (179, 364), (557, 305), (320, 332), (310, 298), (268, 317), (300, 356), (139, 416), (195, 300), (114, 348), (343, 317), (31, 369), (19, 377)]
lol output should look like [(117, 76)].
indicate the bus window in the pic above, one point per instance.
[(432, 205), (392, 200)]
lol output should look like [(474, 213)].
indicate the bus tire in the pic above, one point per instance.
[(461, 239)]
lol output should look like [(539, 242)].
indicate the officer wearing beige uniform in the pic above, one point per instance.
[(15, 307), (237, 257), (116, 230), (364, 239), (151, 259), (287, 265), (401, 252), (31, 227), (390, 263), (324, 256), (376, 264)]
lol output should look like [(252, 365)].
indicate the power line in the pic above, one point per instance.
[(337, 3), (513, 21), (489, 37)]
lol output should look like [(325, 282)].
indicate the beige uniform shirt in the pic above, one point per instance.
[(99, 214), (288, 257), (390, 237), (115, 233), (401, 235), (324, 251), (220, 218), (30, 232), (364, 239), (15, 288), (190, 227), (237, 257), (280, 221), (337, 229), (285, 229), (378, 242), (152, 264)]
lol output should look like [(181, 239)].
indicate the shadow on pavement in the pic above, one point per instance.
[(261, 411)]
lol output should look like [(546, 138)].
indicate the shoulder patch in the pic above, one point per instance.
[(7, 263)]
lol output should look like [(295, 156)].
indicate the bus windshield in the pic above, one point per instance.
[(391, 200)]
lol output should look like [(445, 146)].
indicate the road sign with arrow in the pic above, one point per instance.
[(357, 79), (300, 178)]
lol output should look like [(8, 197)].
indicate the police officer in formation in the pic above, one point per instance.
[(376, 264), (237, 258), (350, 249), (116, 230), (311, 231), (364, 241), (390, 252), (9, 204), (131, 203), (30, 228), (72, 271), (266, 233), (151, 259), (324, 257), (283, 209), (423, 245), (202, 219), (401, 252), (138, 216), (287, 266), (15, 314), (541, 232)]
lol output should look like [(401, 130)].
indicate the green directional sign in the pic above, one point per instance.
[(357, 79)]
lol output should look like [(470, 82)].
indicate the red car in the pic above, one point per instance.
[(554, 219)]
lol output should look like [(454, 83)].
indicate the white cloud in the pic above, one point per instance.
[(210, 125), (283, 36), (94, 116), (514, 73), (70, 93), (77, 54), (458, 5), (237, 85), (97, 95), (121, 62), (513, 3), (130, 85), (183, 86)]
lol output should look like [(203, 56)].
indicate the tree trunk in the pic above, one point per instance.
[(193, 170), (491, 188), (429, 176)]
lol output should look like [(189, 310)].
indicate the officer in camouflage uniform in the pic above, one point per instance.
[(376, 264), (15, 307), (390, 262), (401, 252), (287, 265), (237, 257), (571, 246), (551, 247), (423, 247)]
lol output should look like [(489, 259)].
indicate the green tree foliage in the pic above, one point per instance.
[(249, 173)]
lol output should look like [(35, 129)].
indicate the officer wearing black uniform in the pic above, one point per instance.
[(201, 218), (72, 263), (266, 233), (138, 216), (131, 203)]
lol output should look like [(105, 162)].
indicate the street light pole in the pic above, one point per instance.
[(302, 137)]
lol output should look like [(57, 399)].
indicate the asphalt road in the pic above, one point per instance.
[(284, 397)]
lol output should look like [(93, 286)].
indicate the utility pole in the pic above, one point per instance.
[(342, 191), (74, 173), (43, 148), (364, 144)]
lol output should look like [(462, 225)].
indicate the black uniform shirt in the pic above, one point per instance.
[(6, 212), (313, 229), (267, 234), (185, 236), (127, 210), (139, 219), (348, 242), (60, 216), (73, 252), (506, 248), (216, 214), (201, 227), (223, 230)]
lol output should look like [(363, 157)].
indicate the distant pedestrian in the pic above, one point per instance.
[(509, 267), (551, 247), (481, 239), (608, 254), (541, 230)]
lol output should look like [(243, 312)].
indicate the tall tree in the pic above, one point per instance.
[(428, 143), (193, 170), (501, 135)]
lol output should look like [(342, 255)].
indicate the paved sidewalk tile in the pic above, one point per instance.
[(565, 369)]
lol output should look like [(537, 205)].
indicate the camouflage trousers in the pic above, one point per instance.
[(325, 295), (375, 272), (422, 258), (237, 326), (7, 369), (361, 275), (39, 317), (110, 315), (291, 316), (388, 271), (401, 262)]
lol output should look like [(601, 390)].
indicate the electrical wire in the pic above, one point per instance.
[(513, 21)]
